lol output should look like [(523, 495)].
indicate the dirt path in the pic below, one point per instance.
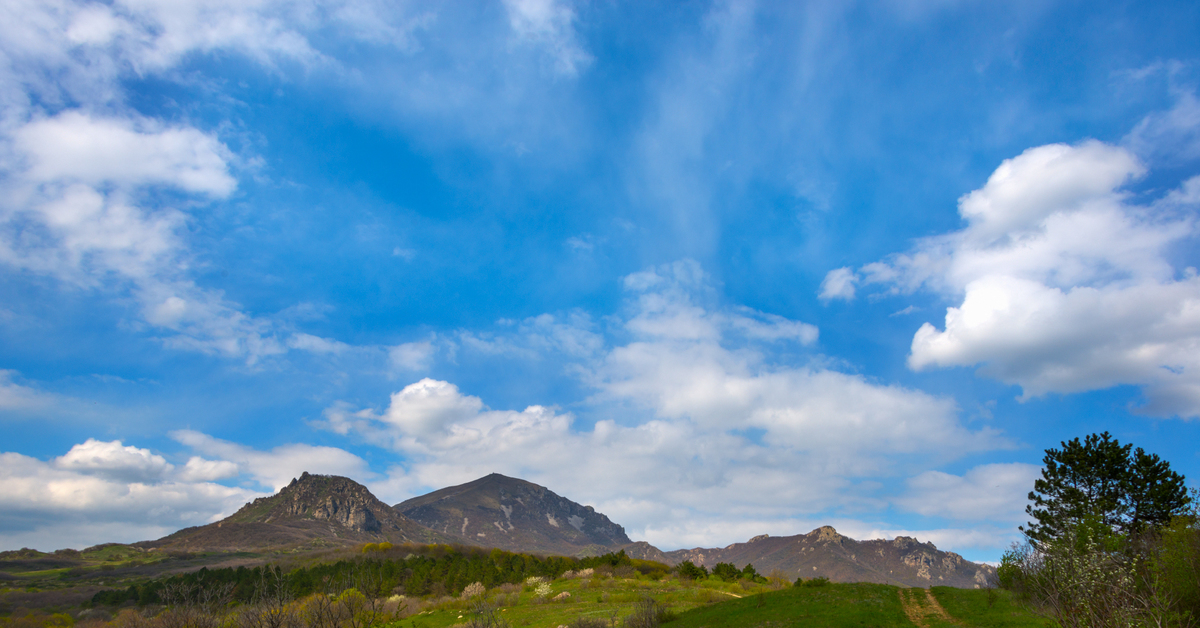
[(923, 609)]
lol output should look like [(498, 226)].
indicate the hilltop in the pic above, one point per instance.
[(314, 511), (515, 515)]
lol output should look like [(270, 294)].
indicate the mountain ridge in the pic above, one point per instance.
[(324, 511)]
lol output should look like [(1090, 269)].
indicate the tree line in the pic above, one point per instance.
[(410, 570)]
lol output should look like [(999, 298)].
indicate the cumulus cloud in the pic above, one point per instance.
[(115, 461), (101, 492), (695, 421), (75, 209), (76, 147), (1066, 284)]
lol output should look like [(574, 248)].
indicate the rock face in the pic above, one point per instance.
[(824, 552), (515, 515), (313, 511)]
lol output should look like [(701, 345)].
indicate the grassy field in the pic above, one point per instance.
[(45, 582), (713, 605)]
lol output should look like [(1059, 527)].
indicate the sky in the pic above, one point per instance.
[(718, 269)]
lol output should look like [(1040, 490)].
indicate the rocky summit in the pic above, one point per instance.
[(515, 515), (313, 511), (826, 553)]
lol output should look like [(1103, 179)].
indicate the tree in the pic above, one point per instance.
[(726, 572), (1100, 478), (689, 570)]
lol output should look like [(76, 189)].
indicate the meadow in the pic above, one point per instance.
[(444, 586)]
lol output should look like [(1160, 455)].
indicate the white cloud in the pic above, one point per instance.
[(198, 469), (275, 468), (114, 461), (838, 284), (1172, 135), (93, 494), (549, 24), (994, 493), (694, 421), (76, 147), (412, 356), (1065, 284), (316, 344), (14, 396)]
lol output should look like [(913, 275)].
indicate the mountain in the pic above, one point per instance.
[(313, 511), (515, 515), (824, 552), (320, 511)]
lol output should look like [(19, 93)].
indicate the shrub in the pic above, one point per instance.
[(726, 572), (819, 581), (475, 589), (690, 571), (648, 613)]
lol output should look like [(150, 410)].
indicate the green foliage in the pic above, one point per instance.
[(422, 571), (691, 571), (648, 613), (819, 581), (750, 573), (1091, 576), (726, 572), (1124, 489)]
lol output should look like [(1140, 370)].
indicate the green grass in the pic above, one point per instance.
[(859, 604), (602, 599), (1001, 611)]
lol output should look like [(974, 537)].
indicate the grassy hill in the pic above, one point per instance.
[(604, 595)]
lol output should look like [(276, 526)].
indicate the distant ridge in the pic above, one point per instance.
[(826, 553), (516, 515), (313, 511), (325, 511)]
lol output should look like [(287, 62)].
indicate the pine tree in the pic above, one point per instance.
[(1125, 489)]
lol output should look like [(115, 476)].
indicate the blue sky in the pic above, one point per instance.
[(717, 269)]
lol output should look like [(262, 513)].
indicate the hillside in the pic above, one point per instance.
[(313, 511), (515, 515), (824, 552)]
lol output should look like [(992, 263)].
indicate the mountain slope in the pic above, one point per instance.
[(313, 511), (824, 552), (515, 515)]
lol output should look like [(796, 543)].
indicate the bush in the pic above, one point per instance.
[(475, 589), (648, 613), (689, 571), (726, 572)]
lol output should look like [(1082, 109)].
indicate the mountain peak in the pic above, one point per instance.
[(321, 509), (517, 515)]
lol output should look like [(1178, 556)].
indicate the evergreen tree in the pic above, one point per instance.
[(1125, 490)]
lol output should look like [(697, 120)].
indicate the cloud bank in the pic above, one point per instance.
[(1065, 282)]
